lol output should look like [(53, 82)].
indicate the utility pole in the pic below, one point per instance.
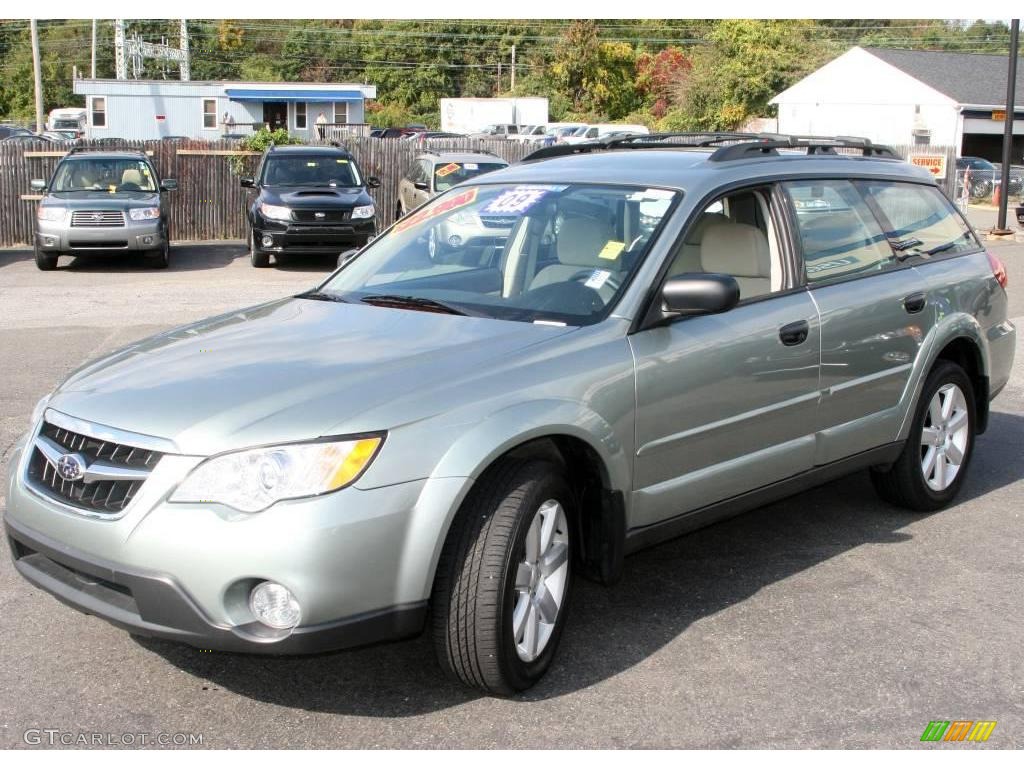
[(1011, 92), (92, 58), (513, 69), (38, 77)]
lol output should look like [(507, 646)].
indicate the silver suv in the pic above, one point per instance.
[(103, 201), (678, 328)]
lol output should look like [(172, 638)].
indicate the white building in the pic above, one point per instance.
[(908, 97), (152, 109)]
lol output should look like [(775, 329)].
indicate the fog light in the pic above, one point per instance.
[(267, 241), (147, 240), (49, 242), (454, 241), (274, 605)]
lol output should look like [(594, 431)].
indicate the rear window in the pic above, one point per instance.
[(919, 219)]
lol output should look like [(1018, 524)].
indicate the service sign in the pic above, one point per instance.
[(936, 164)]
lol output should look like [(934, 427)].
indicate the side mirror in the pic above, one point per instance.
[(38, 185), (372, 182), (246, 181), (421, 185), (168, 185), (699, 293), (347, 256)]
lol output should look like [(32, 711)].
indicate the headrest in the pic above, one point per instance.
[(131, 176), (735, 249), (705, 220), (580, 241)]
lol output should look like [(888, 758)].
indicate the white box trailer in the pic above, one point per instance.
[(471, 115)]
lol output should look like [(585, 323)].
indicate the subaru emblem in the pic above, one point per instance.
[(71, 467), (319, 214)]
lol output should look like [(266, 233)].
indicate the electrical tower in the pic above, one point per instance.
[(130, 52)]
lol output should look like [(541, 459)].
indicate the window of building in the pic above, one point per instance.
[(209, 113), (99, 112), (300, 115), (840, 237), (340, 112)]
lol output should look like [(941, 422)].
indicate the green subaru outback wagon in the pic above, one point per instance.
[(676, 328)]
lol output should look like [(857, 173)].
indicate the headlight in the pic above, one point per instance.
[(465, 219), (254, 479), (37, 412), (51, 213), (363, 212), (279, 212), (143, 214)]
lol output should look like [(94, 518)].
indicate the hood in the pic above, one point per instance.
[(101, 199), (315, 197), (290, 370)]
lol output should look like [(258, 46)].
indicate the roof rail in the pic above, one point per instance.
[(643, 141), (769, 143), (78, 149)]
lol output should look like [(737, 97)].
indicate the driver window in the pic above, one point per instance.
[(735, 235)]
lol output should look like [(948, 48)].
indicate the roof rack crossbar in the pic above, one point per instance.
[(769, 143)]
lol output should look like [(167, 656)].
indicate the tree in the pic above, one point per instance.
[(656, 75)]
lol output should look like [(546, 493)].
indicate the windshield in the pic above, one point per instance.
[(65, 122), (559, 253), (310, 171), (104, 174), (447, 175)]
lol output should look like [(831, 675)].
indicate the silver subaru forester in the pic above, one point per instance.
[(677, 328)]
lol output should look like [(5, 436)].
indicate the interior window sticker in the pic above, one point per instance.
[(518, 200), (471, 166), (341, 161), (449, 169), (437, 209), (611, 250), (598, 278)]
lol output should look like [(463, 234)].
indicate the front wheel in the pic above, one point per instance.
[(45, 261), (502, 589), (161, 257), (259, 259), (931, 469)]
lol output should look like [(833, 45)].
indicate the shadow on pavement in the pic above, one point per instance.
[(663, 591)]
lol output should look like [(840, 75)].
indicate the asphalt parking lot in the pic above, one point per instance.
[(826, 620)]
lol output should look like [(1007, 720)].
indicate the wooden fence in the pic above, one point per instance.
[(209, 203)]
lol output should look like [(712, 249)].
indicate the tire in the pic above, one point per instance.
[(161, 257), (259, 259), (46, 261), (905, 483), (476, 598)]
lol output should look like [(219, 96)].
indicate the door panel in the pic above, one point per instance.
[(869, 342), (723, 405)]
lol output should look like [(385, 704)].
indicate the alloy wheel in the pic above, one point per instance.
[(541, 580), (944, 437)]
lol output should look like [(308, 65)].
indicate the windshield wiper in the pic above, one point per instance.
[(321, 296), (909, 247), (412, 302)]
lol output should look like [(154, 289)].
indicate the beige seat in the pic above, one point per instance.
[(131, 176), (580, 241), (688, 258), (740, 250)]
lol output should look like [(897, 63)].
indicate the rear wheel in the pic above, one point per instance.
[(502, 589), (45, 261), (933, 465), (258, 258)]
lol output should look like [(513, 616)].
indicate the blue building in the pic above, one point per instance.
[(152, 109)]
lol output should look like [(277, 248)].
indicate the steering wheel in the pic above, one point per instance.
[(129, 187), (612, 282)]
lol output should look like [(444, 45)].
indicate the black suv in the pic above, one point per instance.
[(308, 200)]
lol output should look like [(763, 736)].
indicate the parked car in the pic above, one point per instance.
[(101, 201), (500, 131), (421, 137), (985, 177), (61, 136), (68, 119), (26, 138), (648, 354), (557, 131), (308, 199), (599, 131), (530, 134), (11, 130)]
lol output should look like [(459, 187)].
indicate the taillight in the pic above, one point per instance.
[(998, 269)]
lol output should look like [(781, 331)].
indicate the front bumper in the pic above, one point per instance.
[(360, 562), (59, 237), (314, 238)]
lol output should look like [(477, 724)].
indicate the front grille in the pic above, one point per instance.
[(97, 218), (498, 222), (327, 217), (99, 245), (99, 496)]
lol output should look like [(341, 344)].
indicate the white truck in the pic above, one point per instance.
[(67, 119), (473, 115)]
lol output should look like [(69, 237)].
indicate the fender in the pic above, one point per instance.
[(958, 325), (476, 449)]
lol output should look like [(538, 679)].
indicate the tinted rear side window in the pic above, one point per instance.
[(919, 219), (839, 235)]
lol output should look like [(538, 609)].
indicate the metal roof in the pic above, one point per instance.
[(967, 78), (289, 94)]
